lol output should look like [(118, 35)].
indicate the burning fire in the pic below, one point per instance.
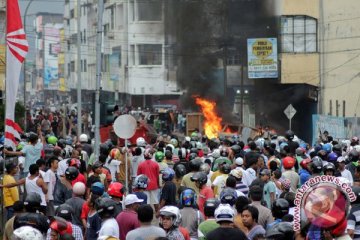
[(212, 123)]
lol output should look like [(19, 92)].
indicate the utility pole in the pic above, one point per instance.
[(24, 66), (98, 77), (79, 110)]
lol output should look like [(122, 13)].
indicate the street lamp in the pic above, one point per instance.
[(24, 67)]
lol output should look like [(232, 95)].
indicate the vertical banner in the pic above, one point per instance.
[(262, 58)]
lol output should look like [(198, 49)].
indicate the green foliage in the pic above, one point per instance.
[(19, 115)]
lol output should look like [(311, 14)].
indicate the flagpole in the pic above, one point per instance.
[(5, 102)]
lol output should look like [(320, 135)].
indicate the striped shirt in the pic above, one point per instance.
[(353, 221), (242, 188)]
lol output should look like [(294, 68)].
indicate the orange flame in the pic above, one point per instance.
[(212, 123)]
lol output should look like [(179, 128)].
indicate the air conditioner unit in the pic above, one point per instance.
[(110, 34)]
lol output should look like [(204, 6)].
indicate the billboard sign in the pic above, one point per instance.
[(262, 58)]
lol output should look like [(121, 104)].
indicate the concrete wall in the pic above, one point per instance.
[(300, 68), (300, 7), (341, 57)]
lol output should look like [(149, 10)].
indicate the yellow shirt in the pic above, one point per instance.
[(214, 175), (11, 195)]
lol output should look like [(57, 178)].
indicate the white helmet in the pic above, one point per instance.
[(83, 138), (171, 211), (187, 139), (140, 142), (199, 145), (27, 233), (171, 146), (224, 212), (79, 188), (174, 142)]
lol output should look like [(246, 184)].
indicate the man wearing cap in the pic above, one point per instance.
[(344, 172), (269, 187), (128, 218)]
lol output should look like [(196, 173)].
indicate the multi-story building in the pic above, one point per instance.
[(137, 68), (340, 58), (47, 29)]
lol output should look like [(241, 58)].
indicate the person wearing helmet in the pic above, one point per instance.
[(140, 142), (180, 172), (353, 158), (140, 185), (279, 209), (76, 202), (128, 219), (112, 162), (341, 163), (250, 216), (74, 162), (210, 223), (65, 211), (228, 196), (105, 207), (191, 216), (169, 221), (220, 181), (49, 147), (63, 188), (205, 192), (168, 191), (59, 227), (51, 178), (27, 233), (18, 208), (84, 140), (116, 192), (151, 169), (194, 166), (224, 216), (289, 173), (280, 231), (316, 166), (218, 162), (329, 169), (96, 175), (304, 172)]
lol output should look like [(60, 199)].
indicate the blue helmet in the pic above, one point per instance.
[(229, 196), (332, 157), (168, 174), (97, 188), (188, 198), (327, 147)]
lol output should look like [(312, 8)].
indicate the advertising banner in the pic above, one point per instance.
[(262, 58)]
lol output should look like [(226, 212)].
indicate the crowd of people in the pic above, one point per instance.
[(178, 189)]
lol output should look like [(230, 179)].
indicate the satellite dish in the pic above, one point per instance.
[(125, 126)]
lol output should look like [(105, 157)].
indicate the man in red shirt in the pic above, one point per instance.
[(205, 192), (128, 219), (151, 169)]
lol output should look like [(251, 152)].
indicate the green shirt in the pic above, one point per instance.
[(206, 227)]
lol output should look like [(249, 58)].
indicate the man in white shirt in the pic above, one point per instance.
[(344, 172), (50, 179), (109, 226)]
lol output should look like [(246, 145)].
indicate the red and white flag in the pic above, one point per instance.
[(16, 50)]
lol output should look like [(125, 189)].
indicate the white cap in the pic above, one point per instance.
[(239, 161), (131, 199)]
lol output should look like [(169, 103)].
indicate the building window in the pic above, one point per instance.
[(81, 37), (72, 14), (150, 10), (298, 34), (112, 17), (84, 35), (117, 52), (72, 66), (150, 54), (233, 57), (106, 29), (85, 65), (132, 54)]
